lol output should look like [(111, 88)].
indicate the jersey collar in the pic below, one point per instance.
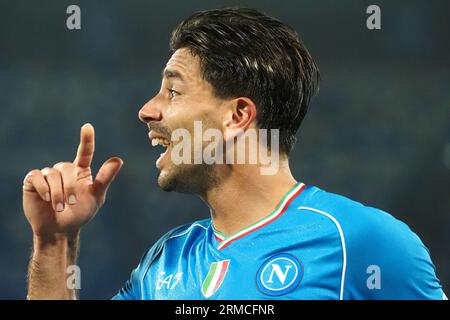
[(224, 240)]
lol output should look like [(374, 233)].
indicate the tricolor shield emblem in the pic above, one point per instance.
[(215, 277)]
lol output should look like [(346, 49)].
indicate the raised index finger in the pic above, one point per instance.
[(86, 148)]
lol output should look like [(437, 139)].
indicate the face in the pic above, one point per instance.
[(184, 97)]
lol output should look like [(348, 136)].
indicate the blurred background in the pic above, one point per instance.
[(378, 132)]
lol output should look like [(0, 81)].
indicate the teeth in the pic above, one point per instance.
[(160, 141)]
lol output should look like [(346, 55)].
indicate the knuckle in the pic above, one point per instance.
[(50, 172), (44, 186), (33, 173), (28, 176), (45, 171), (63, 166)]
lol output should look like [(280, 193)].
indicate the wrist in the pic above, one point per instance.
[(58, 240)]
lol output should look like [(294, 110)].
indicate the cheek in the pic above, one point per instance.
[(183, 112), (181, 116), (210, 111), (216, 117)]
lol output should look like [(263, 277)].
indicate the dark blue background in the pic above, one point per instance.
[(378, 132)]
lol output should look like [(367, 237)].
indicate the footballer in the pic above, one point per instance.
[(270, 236)]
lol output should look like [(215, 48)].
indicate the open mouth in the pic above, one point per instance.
[(160, 141)]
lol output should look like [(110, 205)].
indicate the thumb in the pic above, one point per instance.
[(105, 176)]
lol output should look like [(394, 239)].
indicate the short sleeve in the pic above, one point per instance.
[(386, 260), (132, 290)]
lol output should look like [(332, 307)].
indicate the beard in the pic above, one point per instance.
[(188, 178)]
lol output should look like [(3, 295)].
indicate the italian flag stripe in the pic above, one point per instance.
[(209, 277), (284, 204), (223, 271), (215, 277)]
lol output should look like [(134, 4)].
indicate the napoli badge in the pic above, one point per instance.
[(279, 275), (214, 278)]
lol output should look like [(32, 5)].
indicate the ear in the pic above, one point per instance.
[(240, 117)]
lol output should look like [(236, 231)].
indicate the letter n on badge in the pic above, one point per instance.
[(215, 277)]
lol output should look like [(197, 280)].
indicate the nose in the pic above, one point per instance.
[(151, 111)]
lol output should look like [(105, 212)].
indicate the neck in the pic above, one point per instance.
[(245, 196)]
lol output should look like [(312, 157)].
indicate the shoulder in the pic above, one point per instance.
[(356, 221), (374, 241), (176, 237), (195, 228)]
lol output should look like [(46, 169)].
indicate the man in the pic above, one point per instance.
[(234, 71)]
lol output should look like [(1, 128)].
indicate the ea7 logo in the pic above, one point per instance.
[(168, 282), (279, 275)]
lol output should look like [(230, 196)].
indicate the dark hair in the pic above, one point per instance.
[(244, 52)]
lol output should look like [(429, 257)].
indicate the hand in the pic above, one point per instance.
[(60, 200)]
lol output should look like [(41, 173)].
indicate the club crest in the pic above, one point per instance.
[(280, 274)]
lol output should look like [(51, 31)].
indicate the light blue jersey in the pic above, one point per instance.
[(315, 245)]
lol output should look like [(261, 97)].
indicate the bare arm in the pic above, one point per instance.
[(47, 272), (57, 202)]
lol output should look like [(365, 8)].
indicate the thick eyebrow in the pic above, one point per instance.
[(169, 73)]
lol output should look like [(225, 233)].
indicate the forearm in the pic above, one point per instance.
[(47, 274)]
